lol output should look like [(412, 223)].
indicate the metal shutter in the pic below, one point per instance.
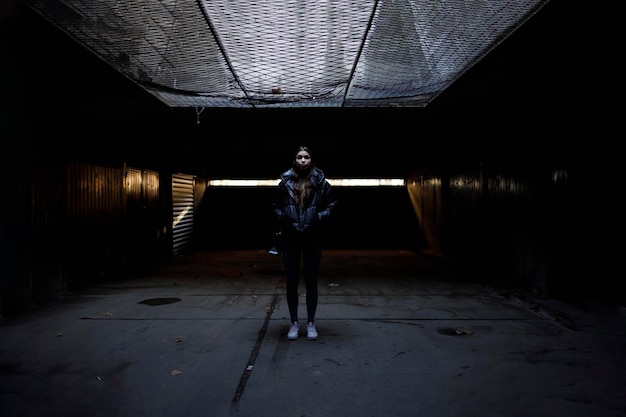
[(183, 211)]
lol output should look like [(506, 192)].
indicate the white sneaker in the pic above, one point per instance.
[(293, 331), (311, 333)]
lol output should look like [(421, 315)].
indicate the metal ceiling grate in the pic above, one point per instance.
[(290, 53)]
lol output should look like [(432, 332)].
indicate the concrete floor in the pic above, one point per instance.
[(400, 334)]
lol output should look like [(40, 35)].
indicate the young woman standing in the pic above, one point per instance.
[(302, 204)]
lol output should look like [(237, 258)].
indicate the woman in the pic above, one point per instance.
[(302, 205)]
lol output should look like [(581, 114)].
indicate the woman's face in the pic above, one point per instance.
[(303, 160)]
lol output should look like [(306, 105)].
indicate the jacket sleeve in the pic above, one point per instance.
[(277, 204), (327, 202)]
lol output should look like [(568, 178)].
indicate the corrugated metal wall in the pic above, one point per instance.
[(425, 195), (114, 221), (143, 229), (142, 187), (513, 228), (95, 208), (42, 248), (183, 209)]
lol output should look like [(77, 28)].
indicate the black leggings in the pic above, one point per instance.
[(305, 247)]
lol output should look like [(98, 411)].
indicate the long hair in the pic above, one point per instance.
[(303, 196)]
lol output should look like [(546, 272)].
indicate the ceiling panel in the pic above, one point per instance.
[(290, 53)]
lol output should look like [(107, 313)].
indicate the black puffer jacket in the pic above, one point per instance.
[(285, 208)]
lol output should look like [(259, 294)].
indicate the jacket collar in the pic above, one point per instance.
[(317, 176)]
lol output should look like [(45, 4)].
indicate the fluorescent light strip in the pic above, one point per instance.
[(335, 182)]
